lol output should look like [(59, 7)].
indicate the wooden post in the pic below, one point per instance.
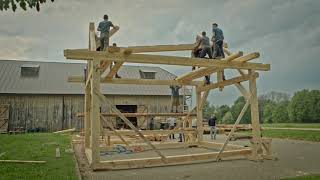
[(95, 112), (87, 97), (199, 116), (256, 132)]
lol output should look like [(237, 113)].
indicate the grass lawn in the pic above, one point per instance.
[(309, 177), (292, 134), (41, 147), (292, 125)]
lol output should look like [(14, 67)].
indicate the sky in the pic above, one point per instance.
[(286, 33)]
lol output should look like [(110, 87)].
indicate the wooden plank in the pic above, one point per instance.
[(127, 121), (65, 131), (244, 109), (22, 161), (226, 82), (142, 114), (114, 70), (160, 59), (80, 79), (171, 160)]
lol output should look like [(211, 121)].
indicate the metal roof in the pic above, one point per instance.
[(53, 77)]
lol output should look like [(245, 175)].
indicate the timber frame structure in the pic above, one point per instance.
[(101, 62)]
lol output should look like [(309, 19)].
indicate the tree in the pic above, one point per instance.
[(228, 118), (221, 111), (208, 110), (280, 112), (24, 4), (236, 109), (305, 106)]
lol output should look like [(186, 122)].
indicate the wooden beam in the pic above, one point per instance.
[(127, 121), (205, 71), (215, 145), (244, 109), (243, 90), (142, 114), (161, 48), (147, 132), (171, 160), (227, 82), (104, 66), (65, 131), (248, 57), (256, 132), (199, 116), (227, 51), (114, 70), (22, 161), (159, 59), (80, 79)]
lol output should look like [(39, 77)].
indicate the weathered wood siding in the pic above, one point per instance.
[(57, 112)]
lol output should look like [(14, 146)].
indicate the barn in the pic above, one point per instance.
[(37, 95)]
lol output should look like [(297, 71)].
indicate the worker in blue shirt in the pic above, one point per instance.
[(104, 28), (217, 39)]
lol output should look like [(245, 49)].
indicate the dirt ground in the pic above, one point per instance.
[(293, 158)]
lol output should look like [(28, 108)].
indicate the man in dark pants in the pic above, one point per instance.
[(212, 125), (175, 97), (217, 39), (104, 28), (205, 50)]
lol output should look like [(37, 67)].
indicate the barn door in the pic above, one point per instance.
[(4, 118)]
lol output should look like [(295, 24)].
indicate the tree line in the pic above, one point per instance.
[(274, 107)]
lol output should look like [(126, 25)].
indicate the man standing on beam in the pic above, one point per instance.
[(217, 39), (104, 28), (205, 49)]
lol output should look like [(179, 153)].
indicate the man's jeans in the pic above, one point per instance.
[(104, 41), (205, 51), (218, 49), (213, 132)]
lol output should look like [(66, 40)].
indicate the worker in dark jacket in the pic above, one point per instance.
[(212, 125)]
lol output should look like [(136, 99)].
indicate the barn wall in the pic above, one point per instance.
[(56, 112)]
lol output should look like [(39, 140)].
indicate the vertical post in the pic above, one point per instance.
[(95, 112), (199, 116), (87, 103), (256, 132)]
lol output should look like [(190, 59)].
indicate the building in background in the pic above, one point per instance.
[(40, 97)]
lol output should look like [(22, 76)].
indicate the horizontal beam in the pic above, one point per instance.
[(226, 82), (80, 79), (170, 160), (248, 57), (154, 48), (205, 71), (146, 132), (159, 59), (141, 114)]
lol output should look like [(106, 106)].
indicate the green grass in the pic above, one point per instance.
[(40, 146), (308, 177), (292, 134), (293, 125)]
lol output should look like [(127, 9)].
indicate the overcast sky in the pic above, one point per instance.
[(285, 32)]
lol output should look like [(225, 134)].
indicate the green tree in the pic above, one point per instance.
[(221, 111), (305, 106), (24, 4), (208, 110), (228, 118), (280, 112), (236, 109)]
